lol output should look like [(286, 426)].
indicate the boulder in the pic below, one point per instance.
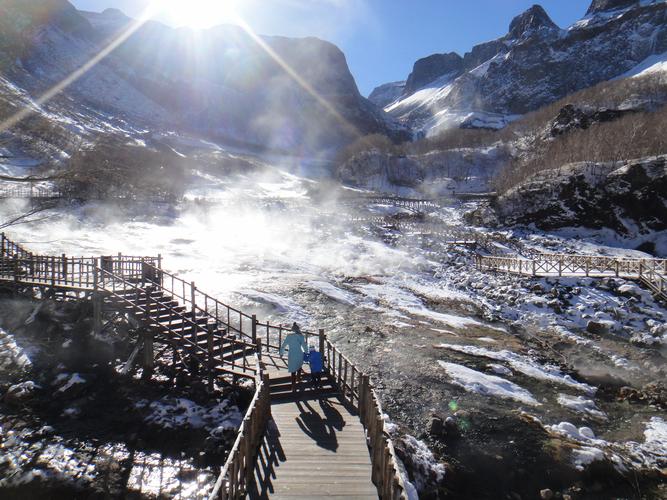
[(596, 328), (435, 426), (20, 393)]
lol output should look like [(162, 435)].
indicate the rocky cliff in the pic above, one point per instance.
[(536, 63), (629, 198), (227, 87)]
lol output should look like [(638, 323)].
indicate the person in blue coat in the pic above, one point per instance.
[(315, 362), (296, 346)]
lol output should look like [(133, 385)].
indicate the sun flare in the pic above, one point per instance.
[(198, 13)]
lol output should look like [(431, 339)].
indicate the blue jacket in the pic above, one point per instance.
[(315, 360)]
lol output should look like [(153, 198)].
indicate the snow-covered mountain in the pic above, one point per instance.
[(218, 82), (535, 64)]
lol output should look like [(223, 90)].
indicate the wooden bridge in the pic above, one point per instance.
[(328, 440), (414, 205), (652, 273)]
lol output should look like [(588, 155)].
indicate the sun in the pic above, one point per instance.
[(197, 13)]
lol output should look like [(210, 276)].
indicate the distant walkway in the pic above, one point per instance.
[(652, 273)]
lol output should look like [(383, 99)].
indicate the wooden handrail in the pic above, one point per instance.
[(235, 475), (651, 272), (357, 391)]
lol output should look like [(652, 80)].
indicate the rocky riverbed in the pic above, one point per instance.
[(73, 427), (534, 385)]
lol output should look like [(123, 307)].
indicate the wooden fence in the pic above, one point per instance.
[(651, 272), (233, 480), (355, 387)]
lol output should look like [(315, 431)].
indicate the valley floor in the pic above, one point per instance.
[(482, 375)]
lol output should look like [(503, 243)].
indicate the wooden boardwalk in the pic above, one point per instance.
[(325, 441), (315, 444), (652, 273), (315, 447)]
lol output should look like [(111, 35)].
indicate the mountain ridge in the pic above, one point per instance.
[(534, 64), (231, 88)]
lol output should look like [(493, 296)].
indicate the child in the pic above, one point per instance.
[(315, 362)]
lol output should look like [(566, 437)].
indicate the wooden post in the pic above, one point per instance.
[(16, 268), (258, 348), (322, 343), (97, 306), (149, 355), (588, 266), (64, 269), (617, 267), (254, 329), (2, 248), (53, 270), (560, 266), (193, 290), (211, 359)]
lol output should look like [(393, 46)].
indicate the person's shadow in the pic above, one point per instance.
[(321, 430)]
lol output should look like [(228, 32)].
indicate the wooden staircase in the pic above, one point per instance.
[(197, 339)]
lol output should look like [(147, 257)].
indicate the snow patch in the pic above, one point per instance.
[(487, 385)]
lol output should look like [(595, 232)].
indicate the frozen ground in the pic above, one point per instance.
[(438, 336)]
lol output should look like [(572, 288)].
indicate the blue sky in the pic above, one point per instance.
[(381, 38)]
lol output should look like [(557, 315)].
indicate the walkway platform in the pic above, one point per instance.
[(314, 448)]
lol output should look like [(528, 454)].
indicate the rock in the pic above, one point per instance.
[(596, 328), (387, 93), (430, 68), (546, 494), (594, 196), (531, 22), (20, 393), (537, 288), (608, 5), (435, 426), (629, 290)]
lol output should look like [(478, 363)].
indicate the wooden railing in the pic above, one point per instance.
[(21, 192), (232, 483), (245, 326), (356, 389), (385, 472), (651, 272)]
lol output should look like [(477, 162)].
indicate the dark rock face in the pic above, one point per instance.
[(621, 197), (607, 5), (532, 21), (431, 68), (571, 118)]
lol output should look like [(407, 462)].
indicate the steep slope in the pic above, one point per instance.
[(218, 82), (387, 93), (535, 64)]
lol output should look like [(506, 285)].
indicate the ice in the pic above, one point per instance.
[(72, 380), (398, 298), (581, 457), (333, 292), (580, 404), (425, 465), (488, 385), (523, 364)]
